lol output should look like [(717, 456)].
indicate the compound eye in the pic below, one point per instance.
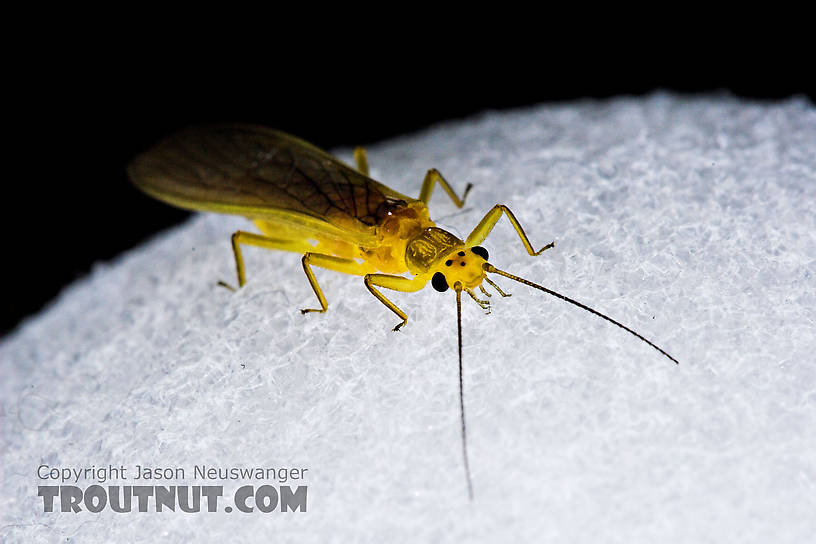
[(480, 251), (439, 282)]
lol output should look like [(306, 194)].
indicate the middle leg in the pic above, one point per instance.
[(397, 283)]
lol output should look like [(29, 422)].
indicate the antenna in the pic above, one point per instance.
[(490, 268)]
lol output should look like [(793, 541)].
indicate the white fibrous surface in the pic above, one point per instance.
[(690, 219)]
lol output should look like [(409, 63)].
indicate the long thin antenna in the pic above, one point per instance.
[(490, 268), (458, 288)]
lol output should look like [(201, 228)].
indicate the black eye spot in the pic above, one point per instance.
[(461, 253), (462, 263), (448, 262), (480, 251), (439, 282)]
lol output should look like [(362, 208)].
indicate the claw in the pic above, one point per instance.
[(548, 246), (227, 285), (395, 329)]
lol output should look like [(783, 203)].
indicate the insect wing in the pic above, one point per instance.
[(260, 173)]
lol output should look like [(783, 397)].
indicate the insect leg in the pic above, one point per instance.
[(433, 176), (338, 264), (361, 159), (397, 283), (259, 240), (489, 221)]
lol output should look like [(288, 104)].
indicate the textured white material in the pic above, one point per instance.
[(690, 220)]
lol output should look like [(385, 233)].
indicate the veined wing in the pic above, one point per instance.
[(262, 173)]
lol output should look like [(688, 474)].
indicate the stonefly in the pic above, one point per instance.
[(306, 201)]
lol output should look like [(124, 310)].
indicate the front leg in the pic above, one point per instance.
[(489, 221), (397, 283)]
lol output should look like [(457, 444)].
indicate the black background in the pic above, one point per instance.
[(82, 109)]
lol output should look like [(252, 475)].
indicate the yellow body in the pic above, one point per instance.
[(385, 253), (306, 201)]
